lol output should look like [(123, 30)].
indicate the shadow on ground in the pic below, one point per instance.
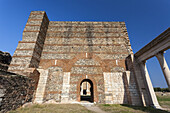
[(145, 109)]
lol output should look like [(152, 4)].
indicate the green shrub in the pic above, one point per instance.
[(158, 89)]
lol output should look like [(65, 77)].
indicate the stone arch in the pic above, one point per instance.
[(95, 94), (71, 63), (45, 64)]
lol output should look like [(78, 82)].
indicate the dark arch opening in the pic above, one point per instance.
[(86, 90)]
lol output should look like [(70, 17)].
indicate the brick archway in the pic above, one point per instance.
[(45, 64), (68, 64), (95, 94), (71, 63)]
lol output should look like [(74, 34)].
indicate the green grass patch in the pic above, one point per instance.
[(106, 104), (163, 98)]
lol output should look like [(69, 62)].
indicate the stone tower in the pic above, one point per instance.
[(60, 56)]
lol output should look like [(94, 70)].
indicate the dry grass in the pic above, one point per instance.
[(53, 108), (163, 99), (75, 108), (129, 109)]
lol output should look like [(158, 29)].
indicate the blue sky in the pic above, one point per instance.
[(145, 20)]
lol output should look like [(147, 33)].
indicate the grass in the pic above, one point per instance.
[(53, 108), (164, 100), (115, 108), (75, 108)]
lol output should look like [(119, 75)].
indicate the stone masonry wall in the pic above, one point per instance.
[(107, 40), (54, 84), (75, 51), (15, 90), (28, 52), (115, 91), (131, 87), (85, 48), (133, 67), (121, 88), (85, 68), (5, 60)]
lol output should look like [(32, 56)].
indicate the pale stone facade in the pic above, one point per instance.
[(66, 54)]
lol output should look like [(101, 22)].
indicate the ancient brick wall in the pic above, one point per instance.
[(85, 48), (54, 84), (15, 90), (85, 68), (66, 53), (28, 51)]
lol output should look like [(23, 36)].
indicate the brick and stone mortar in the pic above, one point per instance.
[(88, 49), (60, 55), (15, 90)]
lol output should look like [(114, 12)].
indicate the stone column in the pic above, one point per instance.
[(88, 88), (154, 101), (81, 92), (164, 67), (39, 96), (66, 88)]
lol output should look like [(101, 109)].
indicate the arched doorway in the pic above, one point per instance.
[(86, 90)]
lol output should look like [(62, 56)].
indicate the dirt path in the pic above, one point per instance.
[(92, 107), (95, 109)]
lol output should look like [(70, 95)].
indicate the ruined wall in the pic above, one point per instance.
[(115, 91), (5, 60), (28, 51), (121, 88), (86, 49), (65, 53), (15, 90), (88, 69), (54, 84)]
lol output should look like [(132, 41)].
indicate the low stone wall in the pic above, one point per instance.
[(15, 90)]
